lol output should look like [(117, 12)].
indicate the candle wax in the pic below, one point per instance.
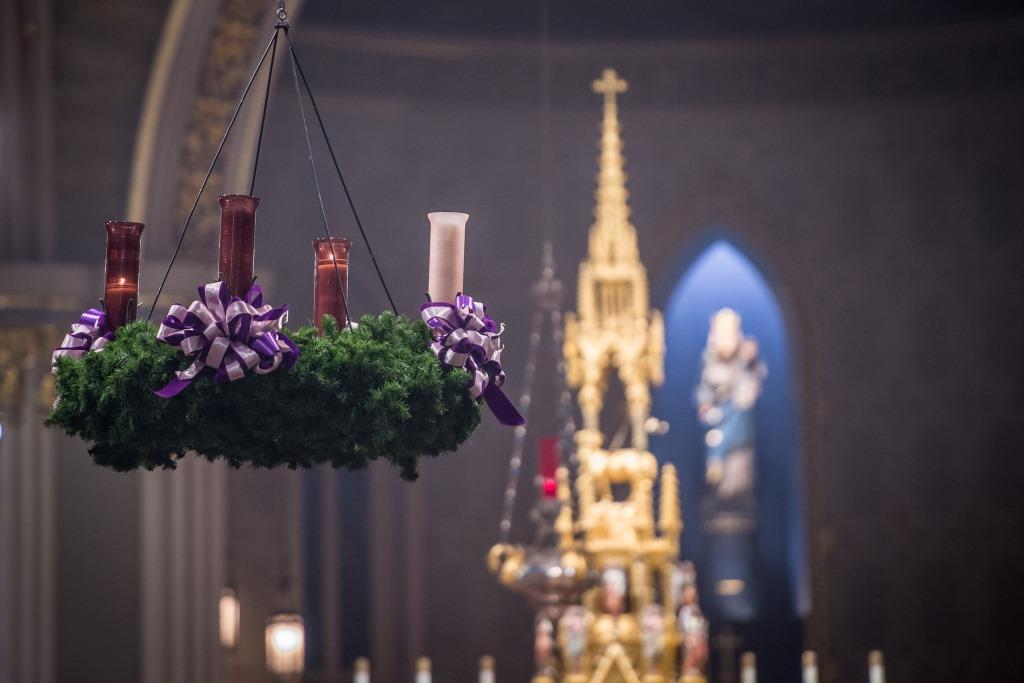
[(120, 302), (447, 254), (329, 299)]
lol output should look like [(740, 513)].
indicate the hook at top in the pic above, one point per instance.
[(282, 16)]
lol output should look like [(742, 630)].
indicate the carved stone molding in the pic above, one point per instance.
[(237, 33)]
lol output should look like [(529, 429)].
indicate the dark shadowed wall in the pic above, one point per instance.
[(872, 176)]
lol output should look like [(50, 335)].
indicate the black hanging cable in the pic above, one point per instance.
[(565, 406), (209, 172), (545, 113), (547, 296), (330, 148), (263, 116), (281, 23), (316, 180), (566, 409)]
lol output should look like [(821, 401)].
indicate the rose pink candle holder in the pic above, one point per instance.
[(121, 278), (330, 297), (237, 241)]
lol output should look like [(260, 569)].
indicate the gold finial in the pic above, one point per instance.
[(670, 521), (563, 523), (363, 665), (586, 495), (564, 491), (423, 665), (609, 84), (487, 663)]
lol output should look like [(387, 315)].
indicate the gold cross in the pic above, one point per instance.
[(609, 85)]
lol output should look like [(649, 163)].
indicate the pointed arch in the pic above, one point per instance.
[(715, 272)]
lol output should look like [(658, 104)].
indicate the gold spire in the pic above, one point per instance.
[(614, 328), (615, 334), (670, 521), (613, 238)]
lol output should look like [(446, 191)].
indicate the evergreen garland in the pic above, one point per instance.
[(354, 396)]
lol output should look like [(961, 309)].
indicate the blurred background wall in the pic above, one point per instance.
[(867, 158)]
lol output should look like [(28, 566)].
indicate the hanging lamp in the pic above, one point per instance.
[(285, 643), (551, 571)]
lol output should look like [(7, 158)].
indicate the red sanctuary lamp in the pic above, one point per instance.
[(121, 278), (330, 280), (547, 450), (237, 241)]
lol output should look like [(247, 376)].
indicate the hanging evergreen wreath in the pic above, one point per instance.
[(353, 396), (222, 378)]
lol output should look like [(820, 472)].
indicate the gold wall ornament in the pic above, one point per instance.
[(25, 353)]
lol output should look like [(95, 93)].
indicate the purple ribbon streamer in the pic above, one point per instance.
[(466, 337), (90, 333), (229, 335)]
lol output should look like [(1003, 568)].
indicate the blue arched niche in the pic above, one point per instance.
[(722, 276)]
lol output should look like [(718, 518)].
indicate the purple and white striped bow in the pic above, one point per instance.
[(90, 333), (465, 337), (231, 336)]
